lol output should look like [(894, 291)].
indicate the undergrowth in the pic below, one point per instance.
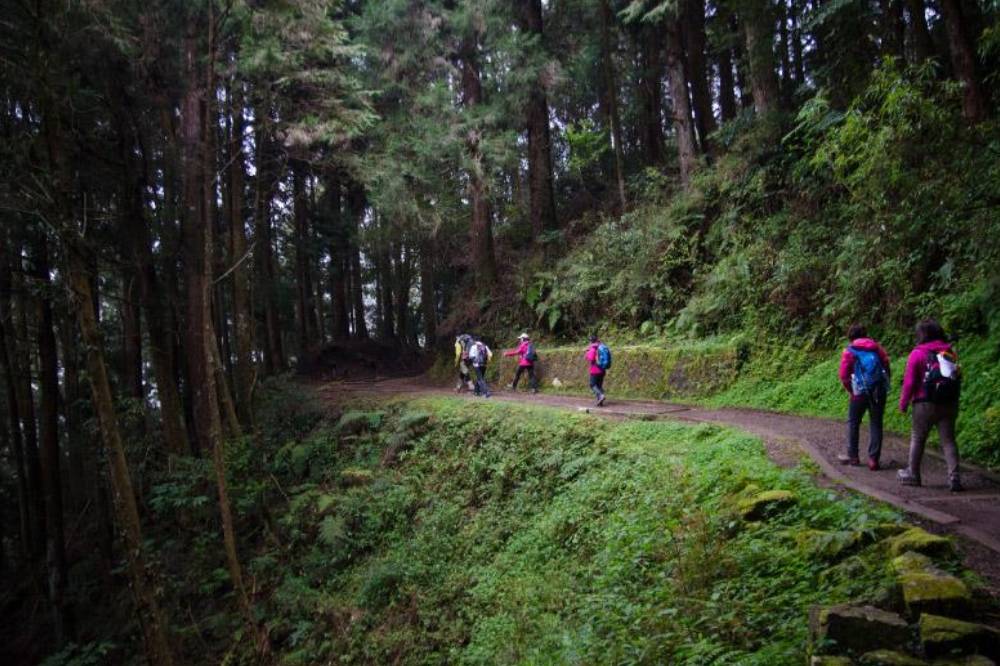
[(444, 531)]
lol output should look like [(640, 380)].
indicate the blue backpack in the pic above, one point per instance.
[(869, 374), (603, 356)]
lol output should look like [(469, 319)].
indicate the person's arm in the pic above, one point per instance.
[(846, 368), (591, 355), (910, 380), (458, 353), (882, 354)]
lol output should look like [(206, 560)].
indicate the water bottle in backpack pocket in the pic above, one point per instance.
[(942, 377)]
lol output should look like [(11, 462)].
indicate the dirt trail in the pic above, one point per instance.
[(973, 516)]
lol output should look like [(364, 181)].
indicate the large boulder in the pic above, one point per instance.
[(918, 540), (910, 562), (941, 636), (767, 503), (848, 628), (932, 591)]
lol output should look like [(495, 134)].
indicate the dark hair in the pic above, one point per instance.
[(855, 331), (929, 330), (593, 338)]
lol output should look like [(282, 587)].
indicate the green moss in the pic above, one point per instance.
[(828, 545), (910, 562), (942, 635), (918, 540), (890, 658), (766, 503), (829, 660), (933, 591)]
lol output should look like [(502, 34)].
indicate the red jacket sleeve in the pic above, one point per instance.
[(521, 349), (846, 368)]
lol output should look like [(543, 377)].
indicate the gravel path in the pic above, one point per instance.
[(973, 516)]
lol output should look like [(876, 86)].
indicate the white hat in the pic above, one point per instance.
[(523, 336)]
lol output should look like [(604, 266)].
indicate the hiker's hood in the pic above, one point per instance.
[(934, 346), (866, 344)]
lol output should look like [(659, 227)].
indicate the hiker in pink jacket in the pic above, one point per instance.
[(864, 374), (526, 363), (596, 371), (931, 386)]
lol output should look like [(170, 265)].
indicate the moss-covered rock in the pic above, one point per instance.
[(890, 658), (855, 629), (910, 562), (829, 660), (918, 540), (767, 503), (826, 545), (941, 636), (932, 591), (967, 660)]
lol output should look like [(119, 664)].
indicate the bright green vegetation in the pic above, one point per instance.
[(446, 531)]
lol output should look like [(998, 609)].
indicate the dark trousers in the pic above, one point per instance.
[(874, 404), (597, 385), (926, 415), (481, 387), (530, 369)]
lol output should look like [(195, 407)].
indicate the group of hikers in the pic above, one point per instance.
[(931, 386), (471, 353)]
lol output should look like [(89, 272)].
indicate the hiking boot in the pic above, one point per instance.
[(511, 387), (955, 486), (873, 464), (534, 391), (848, 460), (600, 401), (905, 478)]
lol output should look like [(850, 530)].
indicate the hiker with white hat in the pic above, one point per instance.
[(527, 357)]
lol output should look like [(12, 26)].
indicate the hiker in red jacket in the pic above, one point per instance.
[(931, 384), (597, 370), (864, 374), (527, 356)]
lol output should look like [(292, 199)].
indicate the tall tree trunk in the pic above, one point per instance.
[(787, 85), (797, 58), (693, 27), (303, 261), (72, 395), (963, 61), (154, 623), (25, 508), (131, 332), (481, 232), (610, 97), (893, 28), (428, 301), (267, 165), (20, 360), (650, 95), (339, 273), (920, 34), (196, 226), (243, 372), (727, 93), (48, 377), (541, 197), (402, 281), (758, 30), (356, 206), (681, 113)]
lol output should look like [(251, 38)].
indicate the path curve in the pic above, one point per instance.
[(973, 516)]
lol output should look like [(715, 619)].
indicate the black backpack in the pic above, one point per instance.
[(530, 354), (942, 377)]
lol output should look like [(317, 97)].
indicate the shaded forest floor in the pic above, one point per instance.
[(972, 516)]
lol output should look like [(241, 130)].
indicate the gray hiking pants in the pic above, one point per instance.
[(925, 416)]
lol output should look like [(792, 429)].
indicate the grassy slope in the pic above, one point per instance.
[(512, 535)]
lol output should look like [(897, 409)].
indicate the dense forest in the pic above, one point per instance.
[(199, 196)]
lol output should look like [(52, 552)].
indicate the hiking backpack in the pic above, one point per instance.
[(466, 342), (869, 374), (478, 354), (603, 356), (942, 377), (530, 354)]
